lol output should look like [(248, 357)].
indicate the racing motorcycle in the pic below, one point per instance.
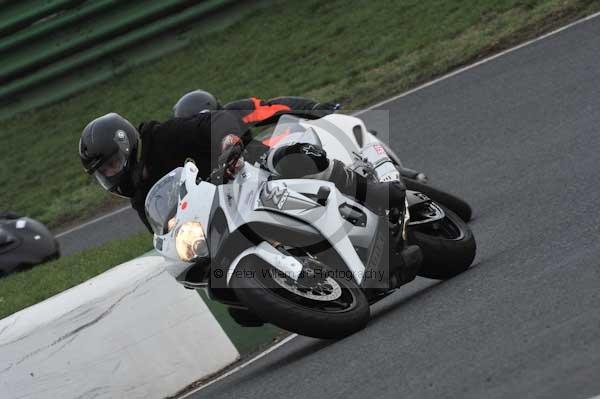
[(297, 253)]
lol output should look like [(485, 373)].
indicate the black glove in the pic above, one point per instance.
[(230, 153), (229, 163)]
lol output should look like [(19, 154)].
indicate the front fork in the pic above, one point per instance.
[(395, 216), (409, 257)]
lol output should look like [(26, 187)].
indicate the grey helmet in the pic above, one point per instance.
[(195, 102)]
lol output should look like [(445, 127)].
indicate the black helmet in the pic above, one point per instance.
[(297, 160), (195, 102), (108, 149)]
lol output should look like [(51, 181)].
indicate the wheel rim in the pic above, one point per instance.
[(313, 291), (426, 213), (448, 230), (325, 290), (445, 228)]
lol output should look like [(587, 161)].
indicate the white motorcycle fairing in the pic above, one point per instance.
[(286, 203), (325, 219), (342, 136), (249, 198)]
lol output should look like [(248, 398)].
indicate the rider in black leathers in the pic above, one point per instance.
[(129, 161)]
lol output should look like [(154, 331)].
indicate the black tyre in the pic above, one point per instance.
[(452, 202), (448, 246), (330, 307)]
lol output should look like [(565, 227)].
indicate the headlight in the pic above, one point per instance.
[(190, 242)]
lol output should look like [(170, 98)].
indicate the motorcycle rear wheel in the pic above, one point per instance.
[(448, 246), (330, 308), (457, 205)]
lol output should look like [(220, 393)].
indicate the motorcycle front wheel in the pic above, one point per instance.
[(322, 303), (448, 246)]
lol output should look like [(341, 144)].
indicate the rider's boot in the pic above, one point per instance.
[(410, 259)]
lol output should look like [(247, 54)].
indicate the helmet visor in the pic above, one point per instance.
[(113, 165), (109, 172)]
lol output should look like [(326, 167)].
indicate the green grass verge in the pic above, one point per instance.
[(245, 339), (355, 52), (20, 290)]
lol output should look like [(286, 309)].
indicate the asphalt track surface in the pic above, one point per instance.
[(115, 225), (517, 137)]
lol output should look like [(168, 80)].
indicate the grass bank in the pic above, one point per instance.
[(355, 52), (246, 339), (20, 290)]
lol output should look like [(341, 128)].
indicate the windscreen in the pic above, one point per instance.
[(323, 132), (161, 202), (288, 131)]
